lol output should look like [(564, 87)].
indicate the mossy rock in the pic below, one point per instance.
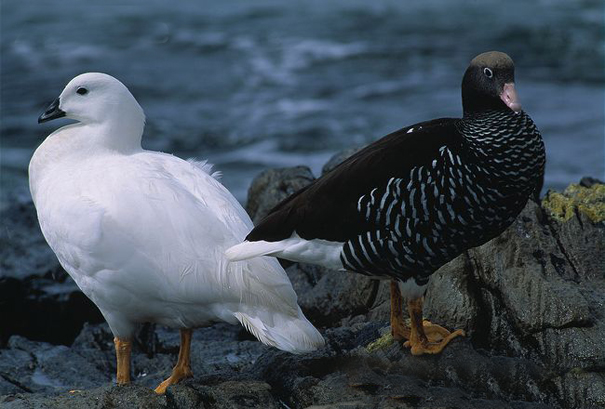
[(381, 343), (587, 200)]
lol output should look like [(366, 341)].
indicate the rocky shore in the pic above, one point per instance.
[(532, 302)]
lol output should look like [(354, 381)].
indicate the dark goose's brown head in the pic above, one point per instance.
[(489, 84)]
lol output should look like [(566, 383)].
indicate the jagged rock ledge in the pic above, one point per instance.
[(532, 302)]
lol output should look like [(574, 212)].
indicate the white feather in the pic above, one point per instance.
[(410, 290), (316, 251), (204, 166), (250, 249)]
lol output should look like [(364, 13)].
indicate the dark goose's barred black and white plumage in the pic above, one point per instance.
[(417, 198)]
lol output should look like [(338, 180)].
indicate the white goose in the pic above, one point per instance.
[(143, 233)]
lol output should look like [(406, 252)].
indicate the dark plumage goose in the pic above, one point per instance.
[(417, 198)]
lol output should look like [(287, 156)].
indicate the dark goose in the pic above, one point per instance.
[(417, 198)]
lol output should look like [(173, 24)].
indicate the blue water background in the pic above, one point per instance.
[(252, 85)]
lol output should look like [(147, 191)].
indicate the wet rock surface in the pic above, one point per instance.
[(532, 302), (274, 185)]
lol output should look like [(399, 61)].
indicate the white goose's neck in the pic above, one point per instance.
[(119, 131), (115, 137)]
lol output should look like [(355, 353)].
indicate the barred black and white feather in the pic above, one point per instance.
[(465, 196)]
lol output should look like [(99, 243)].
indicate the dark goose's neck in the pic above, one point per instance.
[(506, 145)]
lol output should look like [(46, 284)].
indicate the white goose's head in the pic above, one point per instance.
[(95, 98)]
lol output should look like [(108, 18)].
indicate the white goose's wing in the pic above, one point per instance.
[(158, 225), (199, 179)]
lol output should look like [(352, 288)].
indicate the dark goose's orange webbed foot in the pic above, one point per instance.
[(182, 368), (425, 337)]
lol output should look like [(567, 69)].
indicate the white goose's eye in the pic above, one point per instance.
[(488, 73), (82, 91)]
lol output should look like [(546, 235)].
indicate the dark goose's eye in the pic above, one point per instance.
[(82, 91), (488, 73)]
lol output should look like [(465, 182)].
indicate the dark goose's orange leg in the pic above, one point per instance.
[(399, 329)]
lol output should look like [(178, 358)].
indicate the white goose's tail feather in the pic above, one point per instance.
[(268, 306), (291, 334), (250, 249)]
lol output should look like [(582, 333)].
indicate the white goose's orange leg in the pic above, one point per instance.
[(426, 338), (123, 349), (182, 368)]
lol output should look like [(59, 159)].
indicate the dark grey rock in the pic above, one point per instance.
[(588, 181), (42, 367), (345, 373), (340, 375), (274, 185), (329, 296), (23, 250), (123, 397), (225, 395), (49, 304), (338, 158)]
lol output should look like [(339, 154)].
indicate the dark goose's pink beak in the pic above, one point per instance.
[(509, 96)]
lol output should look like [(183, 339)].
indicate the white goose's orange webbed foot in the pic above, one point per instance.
[(425, 337), (123, 348), (182, 368)]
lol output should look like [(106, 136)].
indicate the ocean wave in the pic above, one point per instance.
[(202, 41), (266, 153), (48, 53), (295, 108), (378, 89), (279, 59), (301, 53)]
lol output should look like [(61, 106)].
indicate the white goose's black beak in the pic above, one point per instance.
[(52, 112)]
